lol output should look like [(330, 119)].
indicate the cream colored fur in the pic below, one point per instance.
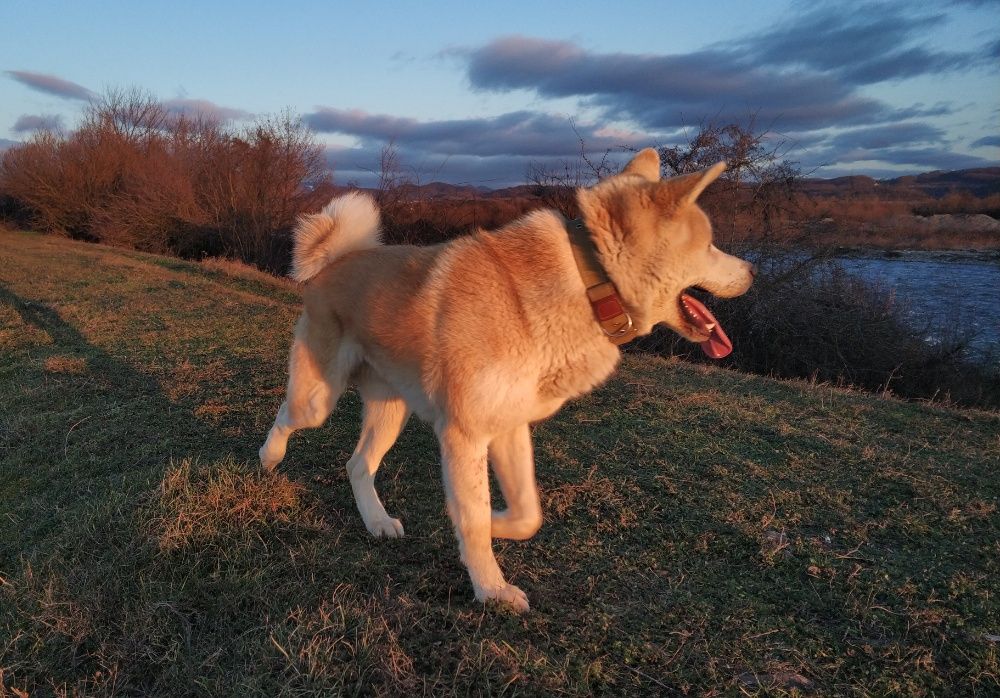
[(484, 335), (348, 223)]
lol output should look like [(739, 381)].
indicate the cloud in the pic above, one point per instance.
[(669, 91), (485, 151), (50, 84), (804, 74), (27, 123), (987, 141), (360, 165), (912, 159), (204, 108), (917, 158), (859, 44), (917, 146), (977, 3), (6, 143), (879, 137), (522, 133)]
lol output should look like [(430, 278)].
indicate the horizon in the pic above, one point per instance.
[(474, 97)]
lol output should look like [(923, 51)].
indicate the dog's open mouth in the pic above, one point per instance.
[(716, 343)]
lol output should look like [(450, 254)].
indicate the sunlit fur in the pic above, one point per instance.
[(482, 336)]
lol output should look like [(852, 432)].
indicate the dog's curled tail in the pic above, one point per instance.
[(346, 224)]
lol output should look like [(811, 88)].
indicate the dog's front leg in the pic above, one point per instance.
[(467, 488), (514, 467)]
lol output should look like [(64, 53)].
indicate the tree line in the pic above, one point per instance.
[(135, 174)]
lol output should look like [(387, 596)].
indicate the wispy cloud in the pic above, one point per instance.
[(890, 136), (915, 145), (489, 151), (203, 107), (50, 84), (527, 133), (803, 74), (987, 141), (917, 158), (360, 165), (28, 123), (858, 44), (662, 92)]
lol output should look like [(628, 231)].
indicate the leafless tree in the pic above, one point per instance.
[(752, 197), (133, 174), (556, 186)]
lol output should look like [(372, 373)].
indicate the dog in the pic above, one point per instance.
[(486, 334)]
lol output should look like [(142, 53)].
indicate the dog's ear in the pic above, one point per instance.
[(646, 164), (687, 188)]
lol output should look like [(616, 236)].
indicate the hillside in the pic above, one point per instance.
[(706, 533), (979, 182)]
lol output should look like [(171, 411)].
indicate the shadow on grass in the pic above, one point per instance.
[(142, 557), (104, 420)]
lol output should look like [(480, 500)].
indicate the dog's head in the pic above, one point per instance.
[(655, 243)]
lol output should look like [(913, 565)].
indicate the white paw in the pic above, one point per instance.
[(387, 527), (508, 594), (269, 459)]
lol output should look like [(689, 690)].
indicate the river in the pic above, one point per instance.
[(952, 286)]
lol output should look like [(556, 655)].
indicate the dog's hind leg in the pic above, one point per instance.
[(514, 467), (385, 414), (318, 369)]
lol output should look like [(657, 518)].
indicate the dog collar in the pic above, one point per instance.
[(609, 310)]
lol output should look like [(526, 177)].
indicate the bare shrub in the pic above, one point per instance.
[(35, 175), (133, 174), (754, 198), (556, 187), (806, 317), (960, 202)]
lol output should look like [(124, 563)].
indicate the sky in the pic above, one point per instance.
[(479, 93)]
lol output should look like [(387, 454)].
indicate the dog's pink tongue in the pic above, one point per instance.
[(718, 345)]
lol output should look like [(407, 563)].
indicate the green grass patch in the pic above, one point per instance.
[(707, 532)]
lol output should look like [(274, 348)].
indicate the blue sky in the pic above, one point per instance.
[(476, 93)]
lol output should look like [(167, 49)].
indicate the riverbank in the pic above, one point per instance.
[(942, 232), (986, 256)]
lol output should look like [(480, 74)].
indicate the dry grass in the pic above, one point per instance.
[(196, 505), (72, 365), (234, 269)]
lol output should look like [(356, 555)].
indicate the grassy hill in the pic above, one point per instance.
[(706, 532)]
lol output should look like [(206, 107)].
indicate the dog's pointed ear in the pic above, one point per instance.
[(646, 164), (687, 188)]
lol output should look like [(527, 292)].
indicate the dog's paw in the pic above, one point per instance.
[(506, 594), (387, 527), (268, 459)]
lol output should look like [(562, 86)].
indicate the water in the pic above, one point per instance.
[(958, 287)]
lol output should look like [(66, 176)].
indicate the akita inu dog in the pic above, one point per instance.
[(483, 335)]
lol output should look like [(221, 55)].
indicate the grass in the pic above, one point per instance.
[(707, 532)]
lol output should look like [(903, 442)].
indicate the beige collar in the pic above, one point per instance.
[(609, 311)]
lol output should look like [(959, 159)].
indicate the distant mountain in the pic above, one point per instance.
[(981, 181), (443, 190)]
